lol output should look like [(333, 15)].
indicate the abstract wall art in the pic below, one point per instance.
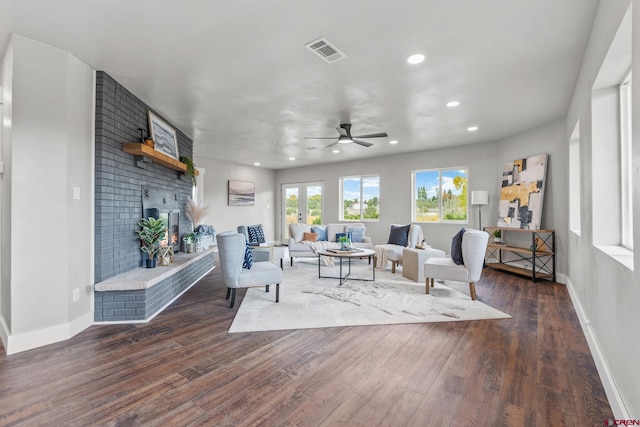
[(522, 192), (241, 193)]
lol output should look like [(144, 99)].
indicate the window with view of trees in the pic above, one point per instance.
[(440, 195), (360, 198)]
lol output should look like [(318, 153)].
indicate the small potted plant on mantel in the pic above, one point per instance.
[(189, 241), (151, 232)]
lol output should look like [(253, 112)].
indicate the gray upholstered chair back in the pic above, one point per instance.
[(231, 248), (474, 246)]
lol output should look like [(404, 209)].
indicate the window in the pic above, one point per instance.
[(440, 195), (626, 211), (611, 184), (360, 198), (575, 185)]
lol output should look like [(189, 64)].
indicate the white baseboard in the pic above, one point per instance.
[(29, 340), (613, 394)]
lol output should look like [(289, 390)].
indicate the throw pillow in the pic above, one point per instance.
[(296, 231), (332, 230), (456, 248), (252, 234), (248, 257), (399, 235), (258, 232), (321, 232), (356, 234), (310, 237)]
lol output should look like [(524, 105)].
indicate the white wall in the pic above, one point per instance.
[(395, 187), (6, 79), (49, 239), (604, 291), (224, 217), (550, 139)]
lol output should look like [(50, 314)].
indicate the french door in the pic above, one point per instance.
[(301, 203)]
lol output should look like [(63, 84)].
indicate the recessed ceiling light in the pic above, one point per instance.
[(292, 158), (336, 151), (472, 128), (453, 103), (256, 164), (415, 59), (393, 142)]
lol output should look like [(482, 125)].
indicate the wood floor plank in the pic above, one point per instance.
[(183, 368)]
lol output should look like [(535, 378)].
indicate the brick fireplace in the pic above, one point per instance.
[(126, 190)]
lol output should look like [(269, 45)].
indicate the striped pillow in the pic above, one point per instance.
[(248, 257)]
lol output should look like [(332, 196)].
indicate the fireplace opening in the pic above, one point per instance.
[(172, 235)]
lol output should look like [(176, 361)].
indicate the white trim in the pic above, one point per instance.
[(4, 332), (611, 390), (41, 337), (160, 310)]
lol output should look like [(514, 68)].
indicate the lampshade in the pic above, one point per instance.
[(479, 197)]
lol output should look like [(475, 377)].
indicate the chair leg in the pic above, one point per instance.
[(472, 290), (233, 297), (393, 267), (427, 283), (291, 261), (267, 288), (228, 293), (277, 292), (433, 282)]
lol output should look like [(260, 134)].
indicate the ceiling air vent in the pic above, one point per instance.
[(325, 50)]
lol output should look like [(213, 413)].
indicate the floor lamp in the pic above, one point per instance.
[(479, 198)]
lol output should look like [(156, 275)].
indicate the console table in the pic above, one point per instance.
[(536, 261)]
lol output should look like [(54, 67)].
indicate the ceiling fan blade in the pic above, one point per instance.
[(320, 137), (363, 143), (332, 144), (372, 135)]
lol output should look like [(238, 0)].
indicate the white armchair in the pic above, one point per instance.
[(474, 246), (231, 248), (390, 252)]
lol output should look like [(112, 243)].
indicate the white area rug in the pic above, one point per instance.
[(307, 301)]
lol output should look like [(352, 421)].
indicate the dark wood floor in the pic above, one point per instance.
[(183, 368)]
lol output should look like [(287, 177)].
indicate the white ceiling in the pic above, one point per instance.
[(236, 77)]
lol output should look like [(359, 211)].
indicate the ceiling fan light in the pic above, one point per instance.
[(344, 140)]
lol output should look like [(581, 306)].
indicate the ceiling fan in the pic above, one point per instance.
[(345, 136)]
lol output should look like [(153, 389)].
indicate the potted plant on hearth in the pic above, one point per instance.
[(497, 236), (151, 232)]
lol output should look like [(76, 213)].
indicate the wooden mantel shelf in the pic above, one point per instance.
[(139, 149)]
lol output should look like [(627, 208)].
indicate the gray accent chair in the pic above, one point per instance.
[(231, 248)]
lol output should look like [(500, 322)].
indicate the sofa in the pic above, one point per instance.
[(325, 236)]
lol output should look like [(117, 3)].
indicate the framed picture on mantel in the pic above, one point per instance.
[(164, 136)]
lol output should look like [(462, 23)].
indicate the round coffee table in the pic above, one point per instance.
[(358, 253)]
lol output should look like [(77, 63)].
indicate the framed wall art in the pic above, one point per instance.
[(522, 192), (241, 193), (164, 136)]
